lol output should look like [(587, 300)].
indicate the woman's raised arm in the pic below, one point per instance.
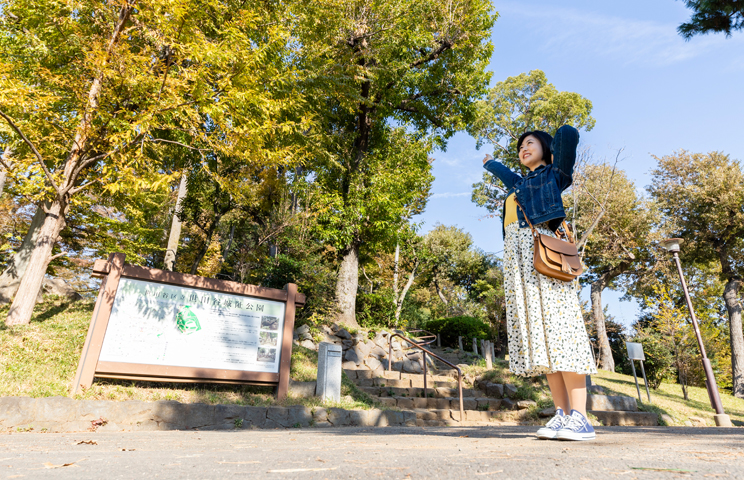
[(507, 177), (563, 148)]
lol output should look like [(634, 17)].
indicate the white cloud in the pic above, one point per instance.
[(624, 40), (450, 195)]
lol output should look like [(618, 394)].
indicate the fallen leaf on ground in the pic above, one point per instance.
[(71, 464), (87, 442), (488, 473)]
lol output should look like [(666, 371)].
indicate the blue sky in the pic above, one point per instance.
[(652, 92)]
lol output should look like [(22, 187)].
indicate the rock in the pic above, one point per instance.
[(378, 351), (411, 366), (330, 338), (302, 329), (524, 404), (414, 356), (353, 355), (495, 390), (302, 389), (510, 390), (381, 341), (358, 338), (306, 336), (365, 348), (308, 344), (299, 416), (57, 286), (508, 403), (667, 419), (688, 423), (343, 334), (277, 417), (347, 344), (338, 417), (547, 412), (611, 403), (698, 422), (373, 363), (347, 365), (320, 415)]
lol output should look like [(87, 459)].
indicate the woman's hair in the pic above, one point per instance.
[(545, 140)]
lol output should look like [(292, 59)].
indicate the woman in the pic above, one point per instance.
[(544, 322)]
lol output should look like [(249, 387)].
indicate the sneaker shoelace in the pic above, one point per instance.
[(574, 423), (556, 421)]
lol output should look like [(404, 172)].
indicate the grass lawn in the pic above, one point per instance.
[(40, 360), (668, 399)]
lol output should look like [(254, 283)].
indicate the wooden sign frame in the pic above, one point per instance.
[(114, 269)]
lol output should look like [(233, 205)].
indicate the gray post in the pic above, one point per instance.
[(459, 340), (439, 340), (475, 345), (489, 361), (329, 372), (493, 351)]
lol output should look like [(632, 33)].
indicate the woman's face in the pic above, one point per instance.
[(531, 153)]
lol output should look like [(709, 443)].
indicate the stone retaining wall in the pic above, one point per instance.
[(62, 414)]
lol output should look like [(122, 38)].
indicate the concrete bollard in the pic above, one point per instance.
[(493, 351), (459, 340), (329, 371), (439, 340), (475, 345), (489, 360)]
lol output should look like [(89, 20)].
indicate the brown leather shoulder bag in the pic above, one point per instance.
[(554, 257)]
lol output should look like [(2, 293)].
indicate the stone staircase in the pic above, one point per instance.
[(490, 404)]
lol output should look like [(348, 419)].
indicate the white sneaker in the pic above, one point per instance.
[(577, 427), (550, 430)]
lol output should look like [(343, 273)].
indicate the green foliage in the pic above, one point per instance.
[(713, 16), (659, 363), (375, 309), (519, 104), (452, 327)]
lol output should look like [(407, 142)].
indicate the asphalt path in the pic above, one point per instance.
[(398, 453)]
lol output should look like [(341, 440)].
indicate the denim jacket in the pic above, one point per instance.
[(539, 192)]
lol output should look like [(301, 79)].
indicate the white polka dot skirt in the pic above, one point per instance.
[(543, 318)]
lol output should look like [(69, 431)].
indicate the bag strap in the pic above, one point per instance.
[(535, 232)]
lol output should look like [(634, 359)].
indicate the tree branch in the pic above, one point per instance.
[(33, 149)]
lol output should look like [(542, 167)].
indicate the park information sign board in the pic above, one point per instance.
[(156, 325)]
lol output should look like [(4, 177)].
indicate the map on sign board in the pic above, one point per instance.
[(169, 325)]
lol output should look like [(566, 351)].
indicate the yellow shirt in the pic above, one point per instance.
[(510, 212)]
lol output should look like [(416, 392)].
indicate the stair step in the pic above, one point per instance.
[(611, 403), (635, 419), (468, 403), (439, 392), (393, 375)]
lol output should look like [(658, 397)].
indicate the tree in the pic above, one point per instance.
[(520, 104), (92, 92), (713, 16), (702, 199), (614, 228), (376, 66)]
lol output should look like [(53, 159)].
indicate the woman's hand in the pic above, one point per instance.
[(487, 158)]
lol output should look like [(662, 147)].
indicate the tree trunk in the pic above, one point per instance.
[(399, 300), (11, 277), (439, 292), (733, 306), (54, 221), (175, 232), (346, 287), (23, 304), (3, 172), (606, 362)]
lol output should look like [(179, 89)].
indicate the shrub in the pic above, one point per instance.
[(452, 327), (375, 309)]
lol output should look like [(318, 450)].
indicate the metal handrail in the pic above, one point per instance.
[(421, 346), (430, 337)]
